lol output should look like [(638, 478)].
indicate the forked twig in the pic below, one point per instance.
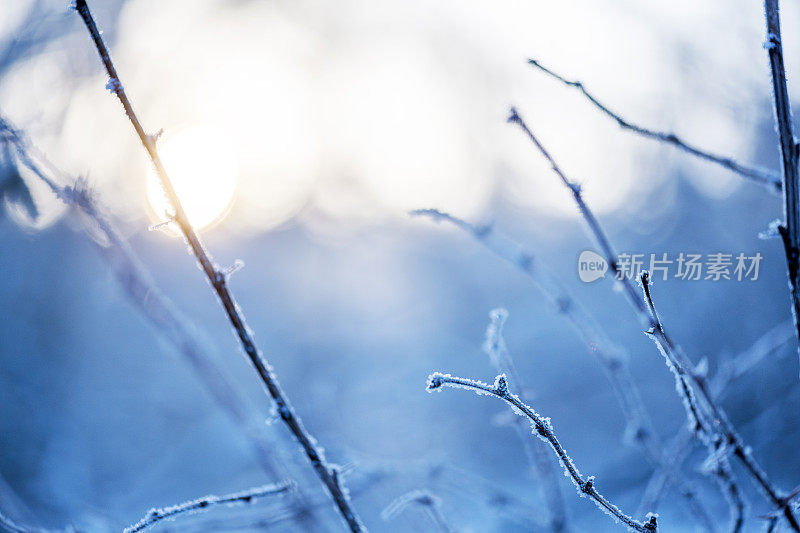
[(219, 281), (543, 429), (682, 368), (205, 503), (759, 175), (790, 229)]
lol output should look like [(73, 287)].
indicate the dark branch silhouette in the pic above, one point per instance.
[(218, 279)]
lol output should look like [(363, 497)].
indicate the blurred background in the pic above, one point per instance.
[(300, 134)]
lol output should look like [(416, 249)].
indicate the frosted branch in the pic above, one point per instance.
[(612, 357), (732, 368), (157, 308), (686, 374), (761, 176), (790, 229), (219, 283), (495, 347), (543, 429), (206, 503)]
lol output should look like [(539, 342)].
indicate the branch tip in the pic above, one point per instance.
[(435, 381)]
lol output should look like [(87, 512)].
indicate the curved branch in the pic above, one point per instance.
[(612, 357), (544, 431), (759, 175)]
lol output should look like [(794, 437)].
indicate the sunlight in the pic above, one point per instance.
[(200, 162)]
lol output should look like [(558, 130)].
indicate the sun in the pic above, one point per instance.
[(201, 163)]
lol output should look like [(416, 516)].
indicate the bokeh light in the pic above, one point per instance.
[(201, 164)]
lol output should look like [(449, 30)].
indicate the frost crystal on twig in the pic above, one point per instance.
[(544, 430), (205, 503), (686, 375), (313, 452)]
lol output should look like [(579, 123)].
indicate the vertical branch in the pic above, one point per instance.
[(219, 281), (495, 348), (790, 230)]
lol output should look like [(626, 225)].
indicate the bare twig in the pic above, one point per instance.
[(495, 347), (544, 431), (430, 503), (715, 442), (327, 473), (761, 176), (467, 485), (684, 371), (612, 357), (205, 503), (6, 522), (790, 229)]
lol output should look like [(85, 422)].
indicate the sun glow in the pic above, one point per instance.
[(200, 162)]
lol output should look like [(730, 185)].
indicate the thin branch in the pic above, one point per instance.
[(495, 347), (675, 453), (612, 357), (730, 369), (790, 229), (16, 527), (681, 370), (327, 473), (759, 175), (430, 503), (205, 503), (678, 362), (156, 306), (544, 431)]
